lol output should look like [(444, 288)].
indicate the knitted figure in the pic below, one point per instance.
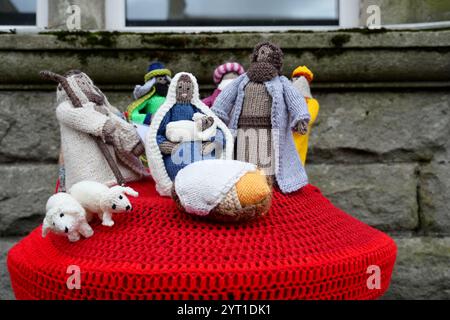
[(301, 79), (97, 198), (183, 142), (261, 107), (65, 216), (222, 190), (223, 75), (150, 96), (83, 125), (165, 157)]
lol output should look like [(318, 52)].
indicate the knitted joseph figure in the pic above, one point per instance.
[(150, 96), (301, 79), (83, 159), (223, 75), (262, 107), (165, 156)]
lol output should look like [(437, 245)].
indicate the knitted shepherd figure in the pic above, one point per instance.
[(261, 107), (81, 125), (301, 79), (223, 75), (150, 96), (190, 151)]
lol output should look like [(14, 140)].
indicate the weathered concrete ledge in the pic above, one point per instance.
[(338, 57), (421, 270), (24, 190)]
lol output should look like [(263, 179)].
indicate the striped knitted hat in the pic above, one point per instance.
[(227, 68), (156, 69)]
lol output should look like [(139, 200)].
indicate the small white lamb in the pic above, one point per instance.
[(187, 130), (66, 216), (97, 198)]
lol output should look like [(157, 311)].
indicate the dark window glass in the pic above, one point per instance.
[(231, 12), (18, 12)]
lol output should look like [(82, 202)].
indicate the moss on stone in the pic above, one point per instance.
[(340, 39), (86, 38), (179, 41)]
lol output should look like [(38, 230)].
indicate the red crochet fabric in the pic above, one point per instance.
[(304, 249)]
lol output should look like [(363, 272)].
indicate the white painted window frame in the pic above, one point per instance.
[(41, 20), (116, 18)]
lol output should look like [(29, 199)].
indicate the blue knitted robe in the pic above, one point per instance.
[(187, 152)]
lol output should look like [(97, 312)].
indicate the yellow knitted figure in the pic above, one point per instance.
[(301, 78)]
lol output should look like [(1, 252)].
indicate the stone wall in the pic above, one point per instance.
[(380, 149)]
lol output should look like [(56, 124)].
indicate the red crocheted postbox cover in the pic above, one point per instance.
[(305, 248)]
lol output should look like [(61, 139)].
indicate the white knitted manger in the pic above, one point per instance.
[(202, 185)]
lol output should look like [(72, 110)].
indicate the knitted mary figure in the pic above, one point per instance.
[(190, 150), (263, 107)]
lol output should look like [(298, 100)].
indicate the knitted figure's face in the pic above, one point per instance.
[(161, 79), (62, 221), (83, 87), (267, 52), (185, 90), (264, 54), (230, 76), (116, 200), (267, 60), (161, 85)]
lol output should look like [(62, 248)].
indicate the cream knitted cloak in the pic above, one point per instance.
[(83, 159), (154, 155)]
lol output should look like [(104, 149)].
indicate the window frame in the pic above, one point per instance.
[(41, 19), (115, 20)]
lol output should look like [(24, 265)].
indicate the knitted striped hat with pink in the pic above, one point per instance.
[(227, 68)]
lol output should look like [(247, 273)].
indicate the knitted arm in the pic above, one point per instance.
[(208, 101), (85, 119), (225, 100), (296, 104), (216, 143), (161, 134), (138, 117)]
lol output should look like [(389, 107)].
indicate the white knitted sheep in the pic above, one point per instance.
[(97, 198), (66, 216), (187, 130)]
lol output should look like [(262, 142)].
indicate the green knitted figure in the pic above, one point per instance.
[(150, 96)]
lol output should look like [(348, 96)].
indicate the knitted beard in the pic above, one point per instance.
[(262, 72), (161, 89)]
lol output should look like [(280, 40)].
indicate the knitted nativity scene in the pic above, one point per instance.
[(224, 209)]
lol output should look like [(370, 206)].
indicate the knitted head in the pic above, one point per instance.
[(156, 69), (303, 71), (185, 89), (266, 62), (76, 86), (229, 67)]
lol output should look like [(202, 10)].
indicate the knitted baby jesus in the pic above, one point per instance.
[(190, 150), (262, 107)]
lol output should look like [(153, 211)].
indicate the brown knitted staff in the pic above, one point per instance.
[(48, 75)]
